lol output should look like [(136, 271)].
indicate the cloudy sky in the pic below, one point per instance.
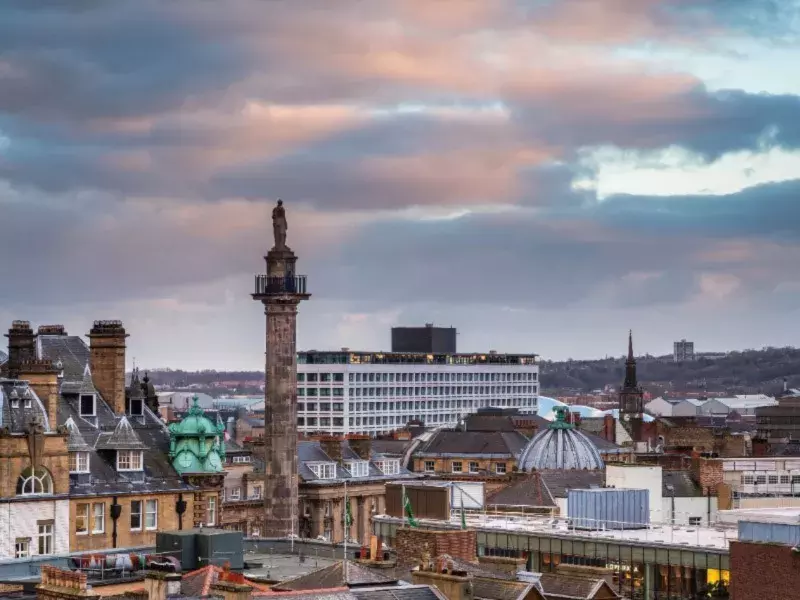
[(543, 175)]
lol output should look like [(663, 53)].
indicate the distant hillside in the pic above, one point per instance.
[(751, 371)]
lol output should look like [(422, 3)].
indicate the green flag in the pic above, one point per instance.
[(463, 516), (409, 513)]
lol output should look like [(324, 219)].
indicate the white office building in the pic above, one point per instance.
[(375, 392)]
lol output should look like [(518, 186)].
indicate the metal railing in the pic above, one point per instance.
[(290, 284)]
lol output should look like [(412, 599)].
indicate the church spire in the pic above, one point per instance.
[(630, 365)]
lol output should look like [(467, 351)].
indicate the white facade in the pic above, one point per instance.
[(682, 350), (690, 510), (775, 477), (639, 478), (28, 527), (377, 393), (745, 404), (659, 407)]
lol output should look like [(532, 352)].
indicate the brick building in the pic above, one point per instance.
[(90, 452)]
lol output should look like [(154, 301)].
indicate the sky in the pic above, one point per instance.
[(543, 175)]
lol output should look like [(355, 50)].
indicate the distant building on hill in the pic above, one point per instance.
[(682, 351)]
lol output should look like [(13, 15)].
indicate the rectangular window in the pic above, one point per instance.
[(773, 480), (129, 460), (82, 519), (473, 467), (695, 520), (500, 468), (211, 507), (389, 467), (748, 480), (137, 406), (324, 470), (429, 466), (324, 376), (359, 468), (256, 491), (457, 466), (241, 459), (234, 494), (98, 517), (45, 538), (87, 405), (22, 548), (784, 479), (78, 462), (136, 515), (151, 514)]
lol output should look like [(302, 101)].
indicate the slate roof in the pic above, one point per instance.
[(16, 416), (75, 442), (480, 443), (408, 592), (496, 589), (3, 357), (106, 432), (570, 587), (489, 423), (682, 482), (311, 451), (333, 576), (390, 447), (541, 488)]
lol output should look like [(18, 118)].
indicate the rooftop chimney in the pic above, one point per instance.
[(230, 428), (51, 330), (454, 585), (107, 362), (360, 444), (21, 347), (332, 446), (159, 585)]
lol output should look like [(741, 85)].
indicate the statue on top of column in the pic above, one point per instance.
[(279, 226)]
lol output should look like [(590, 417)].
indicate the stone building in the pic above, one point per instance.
[(90, 452)]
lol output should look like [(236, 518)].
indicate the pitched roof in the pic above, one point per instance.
[(122, 438), (460, 443), (489, 423), (75, 443), (3, 357), (560, 482), (408, 592), (19, 406), (199, 581), (334, 576), (557, 585), (497, 589), (529, 491), (682, 483), (311, 452)]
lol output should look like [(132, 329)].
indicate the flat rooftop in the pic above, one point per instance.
[(351, 357), (698, 538), (760, 515)]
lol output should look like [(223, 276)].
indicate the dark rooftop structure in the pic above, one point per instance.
[(334, 576), (494, 444), (428, 339), (542, 488)]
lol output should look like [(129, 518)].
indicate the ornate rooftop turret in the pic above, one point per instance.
[(197, 444)]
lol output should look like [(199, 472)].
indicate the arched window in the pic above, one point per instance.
[(33, 481)]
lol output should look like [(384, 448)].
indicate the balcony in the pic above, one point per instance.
[(273, 286)]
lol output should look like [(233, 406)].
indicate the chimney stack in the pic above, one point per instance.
[(107, 362), (159, 585), (21, 347), (360, 444), (332, 446)]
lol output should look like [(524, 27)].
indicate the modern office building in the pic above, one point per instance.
[(436, 340), (344, 392), (682, 350)]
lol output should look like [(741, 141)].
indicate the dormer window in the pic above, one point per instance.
[(358, 468), (28, 398), (14, 396), (137, 407), (389, 467), (78, 462), (87, 405), (129, 460), (323, 470)]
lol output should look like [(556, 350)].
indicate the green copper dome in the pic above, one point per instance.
[(197, 444)]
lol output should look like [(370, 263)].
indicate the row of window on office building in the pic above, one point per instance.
[(445, 390), (338, 407), (414, 377)]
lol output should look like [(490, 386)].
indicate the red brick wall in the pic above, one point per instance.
[(764, 571), (708, 473), (458, 543)]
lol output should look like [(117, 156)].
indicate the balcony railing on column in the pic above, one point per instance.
[(291, 284)]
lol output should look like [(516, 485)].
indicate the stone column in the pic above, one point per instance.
[(366, 520), (337, 533), (381, 504), (280, 290), (361, 524), (352, 531), (317, 518)]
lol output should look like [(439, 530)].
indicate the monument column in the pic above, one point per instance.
[(280, 290)]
